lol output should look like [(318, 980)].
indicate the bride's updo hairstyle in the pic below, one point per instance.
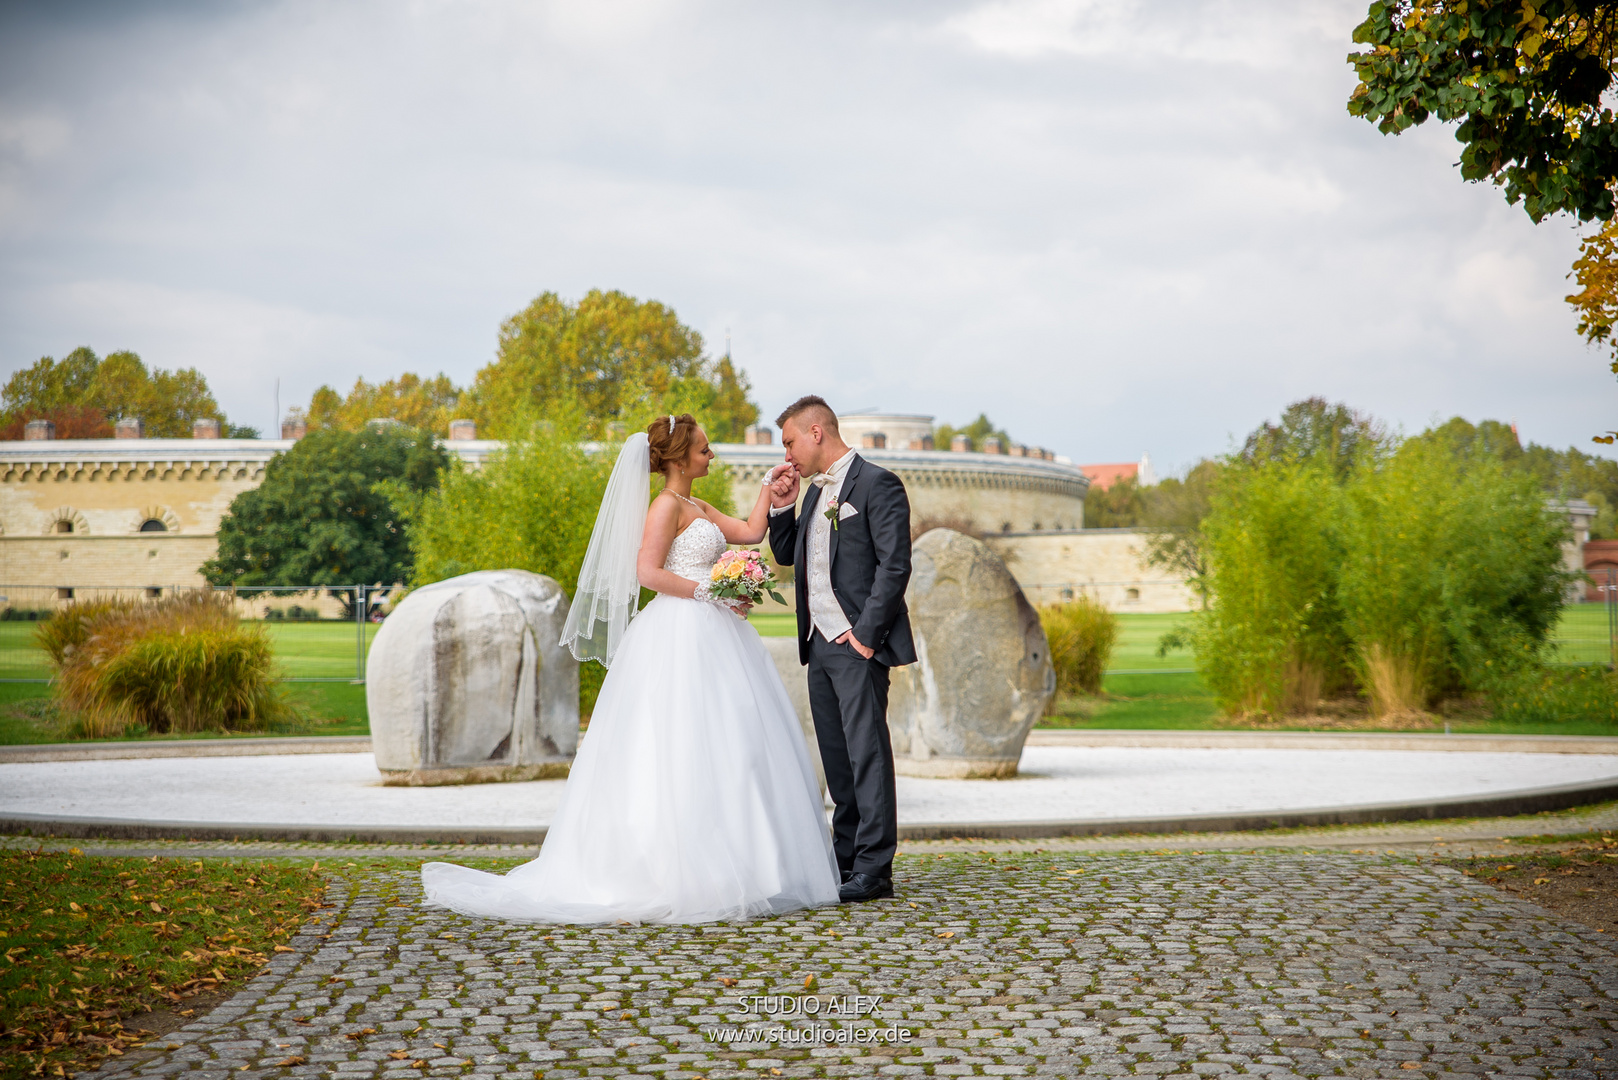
[(671, 445)]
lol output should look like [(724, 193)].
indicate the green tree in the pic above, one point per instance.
[(613, 359), (978, 430), (1120, 505), (166, 401), (1316, 430), (1174, 512), (1522, 78), (416, 402), (324, 514)]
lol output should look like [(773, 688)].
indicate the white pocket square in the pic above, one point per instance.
[(845, 512)]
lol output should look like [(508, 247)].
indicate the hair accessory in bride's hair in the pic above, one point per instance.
[(671, 423)]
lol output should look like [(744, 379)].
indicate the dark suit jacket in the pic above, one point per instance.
[(870, 560)]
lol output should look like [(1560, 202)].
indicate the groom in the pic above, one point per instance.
[(851, 545)]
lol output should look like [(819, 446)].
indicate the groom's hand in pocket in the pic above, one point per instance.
[(855, 642)]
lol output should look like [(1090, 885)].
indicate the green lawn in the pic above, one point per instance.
[(1165, 700), (1581, 636), (1136, 649), (27, 717)]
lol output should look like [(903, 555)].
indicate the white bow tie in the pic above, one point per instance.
[(821, 480)]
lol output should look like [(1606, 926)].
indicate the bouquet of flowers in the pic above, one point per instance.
[(744, 576)]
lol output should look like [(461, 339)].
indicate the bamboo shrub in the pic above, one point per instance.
[(1451, 577), (1079, 635), (1270, 640), (176, 665)]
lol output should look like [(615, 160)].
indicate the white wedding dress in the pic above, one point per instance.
[(692, 797)]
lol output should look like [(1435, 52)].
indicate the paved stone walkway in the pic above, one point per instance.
[(1277, 963)]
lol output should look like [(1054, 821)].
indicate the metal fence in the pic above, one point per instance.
[(320, 633), (1588, 631)]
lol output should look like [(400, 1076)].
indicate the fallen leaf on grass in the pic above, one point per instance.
[(285, 948), (155, 906), (808, 981)]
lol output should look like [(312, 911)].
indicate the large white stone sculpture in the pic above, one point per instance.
[(466, 682), (983, 673)]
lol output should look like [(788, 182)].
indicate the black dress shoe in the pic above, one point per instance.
[(861, 887), (846, 875)]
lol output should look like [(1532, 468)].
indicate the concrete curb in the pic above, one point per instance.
[(1168, 740), (1327, 740), (186, 748), (1503, 804)]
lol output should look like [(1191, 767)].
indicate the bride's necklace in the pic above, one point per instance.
[(683, 499)]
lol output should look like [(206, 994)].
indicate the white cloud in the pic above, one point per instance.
[(1115, 227)]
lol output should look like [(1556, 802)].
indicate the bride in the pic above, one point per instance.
[(692, 797)]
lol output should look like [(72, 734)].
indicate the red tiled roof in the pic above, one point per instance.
[(1104, 476)]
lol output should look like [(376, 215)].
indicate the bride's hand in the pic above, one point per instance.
[(784, 486), (742, 608)]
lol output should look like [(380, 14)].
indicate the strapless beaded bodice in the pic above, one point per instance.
[(694, 551)]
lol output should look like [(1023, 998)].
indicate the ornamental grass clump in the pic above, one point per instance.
[(1080, 635), (176, 665)]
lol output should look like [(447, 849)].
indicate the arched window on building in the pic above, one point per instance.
[(153, 525)]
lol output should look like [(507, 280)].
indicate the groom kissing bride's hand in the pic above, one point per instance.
[(850, 544)]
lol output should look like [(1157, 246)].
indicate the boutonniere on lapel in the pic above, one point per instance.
[(830, 513)]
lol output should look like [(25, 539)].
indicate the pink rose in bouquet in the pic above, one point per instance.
[(743, 575)]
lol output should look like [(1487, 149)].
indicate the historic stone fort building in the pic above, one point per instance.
[(85, 514)]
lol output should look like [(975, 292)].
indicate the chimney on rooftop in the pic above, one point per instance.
[(38, 429), (294, 428), (205, 428), (758, 435), (961, 444), (129, 427), (463, 430)]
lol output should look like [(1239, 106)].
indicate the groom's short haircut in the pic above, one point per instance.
[(814, 410)]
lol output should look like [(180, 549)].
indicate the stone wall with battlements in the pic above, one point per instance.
[(145, 512)]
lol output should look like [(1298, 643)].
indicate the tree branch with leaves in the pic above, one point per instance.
[(1524, 82)]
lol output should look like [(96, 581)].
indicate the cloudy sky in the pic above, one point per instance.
[(1116, 227)]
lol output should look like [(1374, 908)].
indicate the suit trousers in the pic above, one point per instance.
[(848, 698)]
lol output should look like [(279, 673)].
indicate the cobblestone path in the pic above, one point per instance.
[(1275, 964)]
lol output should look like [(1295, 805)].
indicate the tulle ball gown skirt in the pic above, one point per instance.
[(691, 799)]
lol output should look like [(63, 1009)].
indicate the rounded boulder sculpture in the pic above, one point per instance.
[(466, 682), (982, 674)]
